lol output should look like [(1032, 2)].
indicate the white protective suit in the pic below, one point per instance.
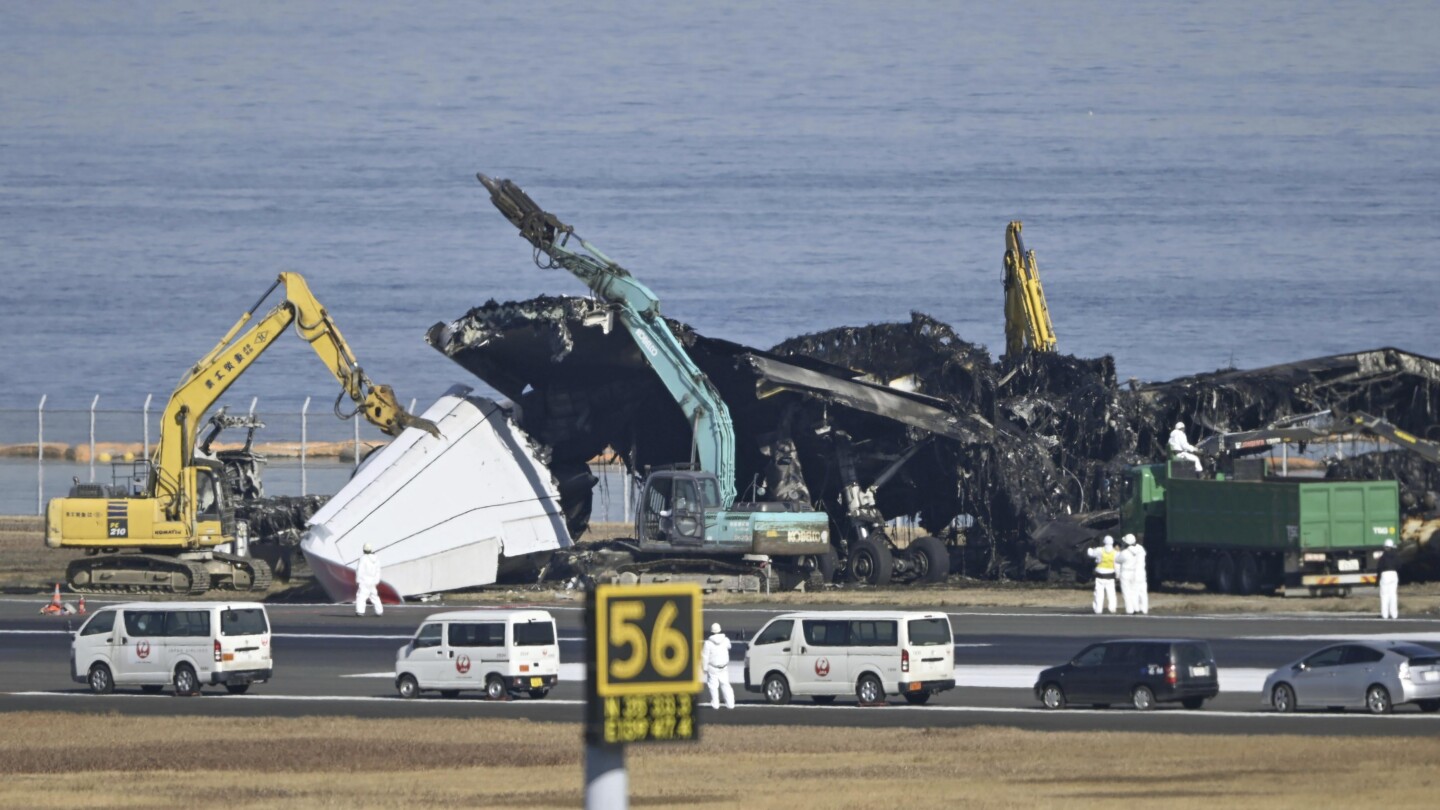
[(1389, 581), (717, 668), (1104, 557), (1133, 583), (367, 581), (1181, 448)]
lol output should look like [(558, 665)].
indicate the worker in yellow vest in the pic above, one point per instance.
[(1104, 556)]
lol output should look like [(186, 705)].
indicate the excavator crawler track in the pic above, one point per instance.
[(258, 570), (138, 573)]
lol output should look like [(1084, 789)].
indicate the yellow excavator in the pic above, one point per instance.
[(164, 539), (1027, 318)]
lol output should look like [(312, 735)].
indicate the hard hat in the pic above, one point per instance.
[(369, 549), (1179, 425), (1389, 543), (1109, 541), (1129, 539), (715, 628)]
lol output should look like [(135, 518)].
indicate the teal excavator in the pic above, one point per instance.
[(685, 510)]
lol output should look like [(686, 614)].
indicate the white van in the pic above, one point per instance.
[(186, 644), (869, 654), (500, 651)]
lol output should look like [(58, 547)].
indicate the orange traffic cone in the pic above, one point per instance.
[(55, 606), (81, 609)]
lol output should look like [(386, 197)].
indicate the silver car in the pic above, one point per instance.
[(1376, 675)]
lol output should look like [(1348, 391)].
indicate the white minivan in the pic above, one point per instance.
[(870, 654), (186, 644), (500, 651)]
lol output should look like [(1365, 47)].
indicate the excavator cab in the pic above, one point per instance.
[(673, 505)]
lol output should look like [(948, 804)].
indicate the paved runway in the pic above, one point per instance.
[(329, 662)]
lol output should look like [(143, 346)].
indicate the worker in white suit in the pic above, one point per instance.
[(717, 668), (367, 583), (1133, 582), (1389, 568), (1104, 556), (1181, 448)]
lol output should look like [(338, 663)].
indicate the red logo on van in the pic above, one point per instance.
[(142, 649), (822, 667), (462, 664)]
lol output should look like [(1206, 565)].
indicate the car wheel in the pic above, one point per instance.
[(101, 683), (237, 688), (408, 687), (823, 700), (1377, 700), (536, 694), (869, 689), (917, 698), (870, 562), (1193, 703), (1143, 698), (1428, 705), (1052, 696), (777, 689), (1282, 697), (152, 688), (185, 681), (495, 689)]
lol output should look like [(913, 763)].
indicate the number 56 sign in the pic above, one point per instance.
[(647, 640)]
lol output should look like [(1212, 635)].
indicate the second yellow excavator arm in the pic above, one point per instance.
[(1027, 318), (209, 378)]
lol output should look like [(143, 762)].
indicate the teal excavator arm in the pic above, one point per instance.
[(639, 311)]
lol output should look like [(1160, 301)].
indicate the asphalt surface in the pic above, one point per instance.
[(329, 662)]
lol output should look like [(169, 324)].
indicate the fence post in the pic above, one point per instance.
[(304, 441), (40, 450), (146, 417), (93, 403)]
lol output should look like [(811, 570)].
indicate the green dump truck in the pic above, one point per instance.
[(1248, 535)]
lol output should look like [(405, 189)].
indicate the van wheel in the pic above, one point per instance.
[(408, 687), (1377, 700), (101, 683), (185, 681), (1193, 703), (449, 693), (1052, 696), (495, 689), (870, 562), (152, 688), (917, 698), (1143, 698), (826, 700), (869, 690), (777, 690), (237, 688), (536, 694)]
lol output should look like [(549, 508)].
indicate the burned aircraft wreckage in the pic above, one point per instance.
[(997, 458)]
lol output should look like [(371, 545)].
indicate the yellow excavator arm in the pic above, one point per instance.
[(209, 378), (1027, 318)]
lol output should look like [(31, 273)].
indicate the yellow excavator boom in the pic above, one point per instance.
[(1027, 318)]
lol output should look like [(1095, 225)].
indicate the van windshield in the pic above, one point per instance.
[(534, 634), (929, 632), (243, 622)]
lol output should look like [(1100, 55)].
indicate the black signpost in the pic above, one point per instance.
[(644, 672)]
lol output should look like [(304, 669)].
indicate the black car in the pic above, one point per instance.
[(1142, 672)]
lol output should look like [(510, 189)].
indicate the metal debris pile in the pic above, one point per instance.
[(985, 452)]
